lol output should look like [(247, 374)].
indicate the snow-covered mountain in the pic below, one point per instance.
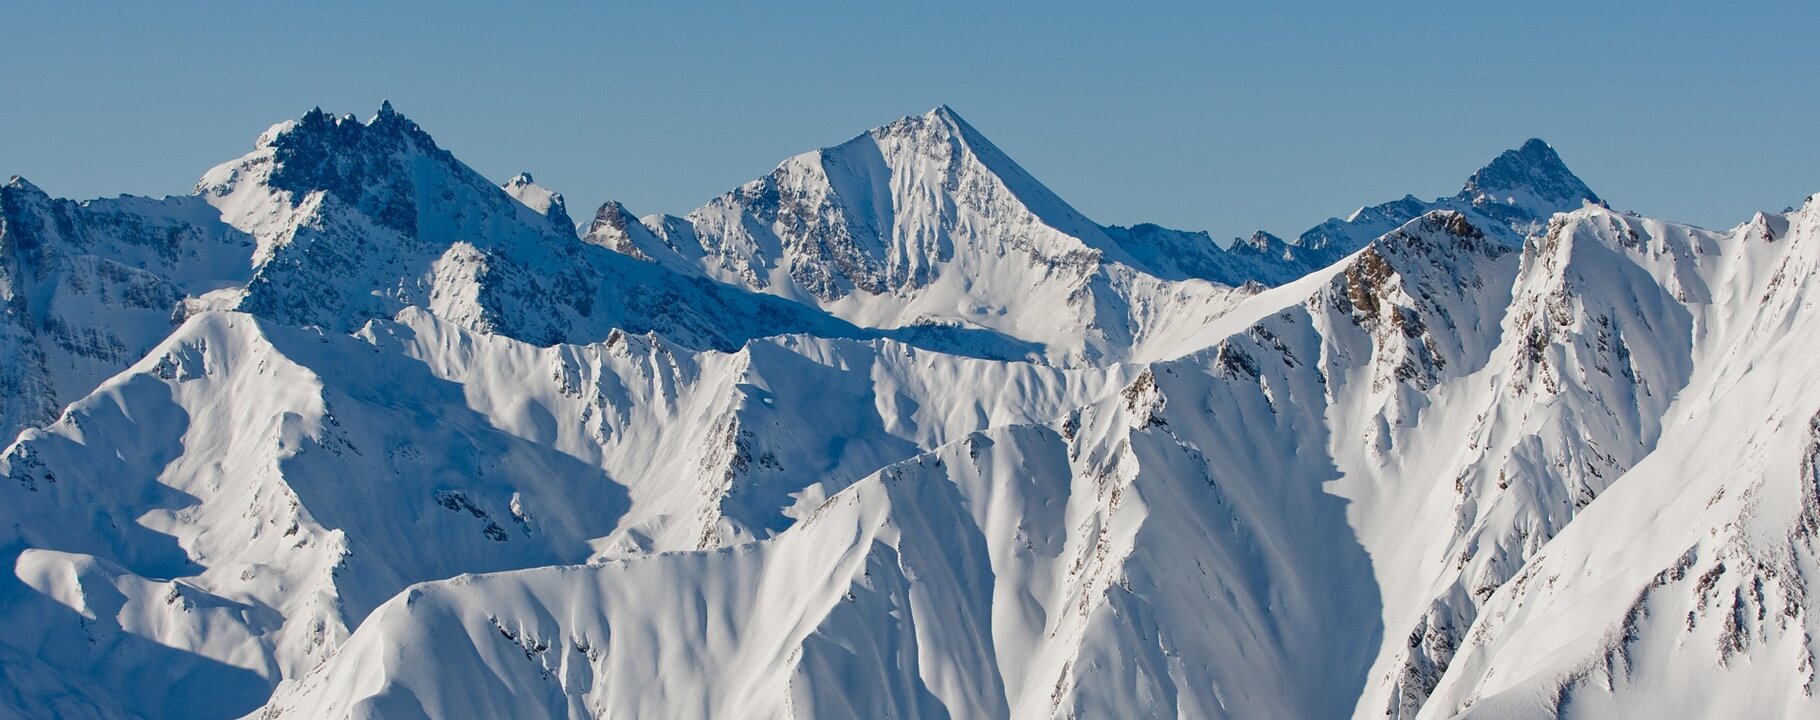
[(925, 223), (894, 432)]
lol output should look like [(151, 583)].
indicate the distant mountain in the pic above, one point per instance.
[(894, 432)]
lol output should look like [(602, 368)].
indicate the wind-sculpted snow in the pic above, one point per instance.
[(894, 432), (726, 442)]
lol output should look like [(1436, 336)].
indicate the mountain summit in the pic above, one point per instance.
[(924, 225), (1512, 197), (1528, 183)]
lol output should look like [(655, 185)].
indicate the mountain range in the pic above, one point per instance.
[(352, 431)]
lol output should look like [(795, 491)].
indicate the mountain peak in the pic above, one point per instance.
[(945, 115), (361, 164), (1259, 241), (1530, 179), (939, 122), (542, 200), (388, 127)]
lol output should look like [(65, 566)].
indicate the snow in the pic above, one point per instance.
[(894, 431)]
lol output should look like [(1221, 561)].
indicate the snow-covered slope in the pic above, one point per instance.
[(894, 432), (1684, 590), (303, 477)]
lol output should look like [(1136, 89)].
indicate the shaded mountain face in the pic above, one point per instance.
[(893, 431), (1527, 184)]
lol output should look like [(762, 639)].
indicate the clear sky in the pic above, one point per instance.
[(1218, 116)]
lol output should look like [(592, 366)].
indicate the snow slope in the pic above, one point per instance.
[(300, 478)]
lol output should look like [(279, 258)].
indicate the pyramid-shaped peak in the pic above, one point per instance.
[(1532, 176), (942, 132)]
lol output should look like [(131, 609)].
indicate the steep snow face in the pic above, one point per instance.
[(1458, 489), (924, 223), (1458, 402), (719, 448), (1684, 588), (267, 487)]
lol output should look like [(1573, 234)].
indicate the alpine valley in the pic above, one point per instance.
[(895, 432)]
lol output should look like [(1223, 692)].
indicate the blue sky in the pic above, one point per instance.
[(1225, 117)]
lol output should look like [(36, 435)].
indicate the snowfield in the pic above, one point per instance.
[(894, 431)]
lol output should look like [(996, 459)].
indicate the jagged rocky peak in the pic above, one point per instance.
[(615, 228), (20, 200), (20, 190), (1259, 241), (1531, 178), (1437, 240), (387, 130), (363, 165), (387, 169)]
